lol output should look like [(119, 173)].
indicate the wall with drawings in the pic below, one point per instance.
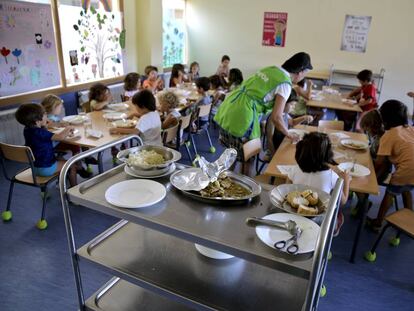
[(28, 60)]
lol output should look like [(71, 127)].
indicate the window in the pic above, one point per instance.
[(92, 40), (174, 36)]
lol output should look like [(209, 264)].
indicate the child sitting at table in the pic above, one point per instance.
[(317, 168), (223, 69), (153, 82), (397, 147), (203, 85), (372, 125), (304, 91), (99, 97), (177, 75), (132, 84), (40, 141), (149, 124), (216, 92), (235, 78), (194, 72), (168, 102)]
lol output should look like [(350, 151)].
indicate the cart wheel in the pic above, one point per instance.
[(212, 149), (323, 291), (371, 257), (394, 241), (41, 224), (6, 215), (329, 255)]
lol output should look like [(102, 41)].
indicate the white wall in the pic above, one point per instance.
[(234, 27)]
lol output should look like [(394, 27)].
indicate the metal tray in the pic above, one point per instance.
[(170, 156), (245, 181)]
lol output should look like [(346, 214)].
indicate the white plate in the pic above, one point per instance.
[(359, 170), (306, 242), (131, 172), (118, 107), (212, 253), (124, 123), (298, 132), (114, 116), (358, 144), (135, 193), (75, 119)]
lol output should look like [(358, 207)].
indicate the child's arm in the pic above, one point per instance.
[(364, 102), (355, 93), (347, 180), (305, 94), (116, 130), (301, 119), (63, 134), (169, 121), (381, 165), (99, 106)]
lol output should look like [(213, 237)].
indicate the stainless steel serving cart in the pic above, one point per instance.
[(150, 252)]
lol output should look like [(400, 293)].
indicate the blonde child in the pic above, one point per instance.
[(317, 168), (149, 124), (153, 82), (132, 85), (396, 146), (168, 102), (53, 106), (99, 97)]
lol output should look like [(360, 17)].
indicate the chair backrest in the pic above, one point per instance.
[(22, 154), (123, 98), (169, 134), (185, 121), (204, 110), (331, 125), (252, 148)]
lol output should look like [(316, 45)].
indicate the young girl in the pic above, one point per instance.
[(235, 78), (223, 69), (194, 72), (177, 75), (317, 168), (132, 84), (53, 106), (304, 91), (40, 141), (149, 124), (397, 147), (153, 82), (99, 97), (168, 102)]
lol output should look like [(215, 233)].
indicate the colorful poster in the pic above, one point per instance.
[(274, 29), (28, 59), (355, 34)]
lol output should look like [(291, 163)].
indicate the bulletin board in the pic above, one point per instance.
[(28, 56)]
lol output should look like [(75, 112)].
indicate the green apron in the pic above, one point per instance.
[(241, 109)]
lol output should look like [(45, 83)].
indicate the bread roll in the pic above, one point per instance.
[(307, 210)]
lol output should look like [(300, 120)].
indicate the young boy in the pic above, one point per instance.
[(397, 147), (40, 141), (153, 82), (203, 85), (223, 69), (149, 124)]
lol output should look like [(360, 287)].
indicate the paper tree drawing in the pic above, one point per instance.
[(99, 36)]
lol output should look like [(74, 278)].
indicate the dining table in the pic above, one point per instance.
[(366, 185), (334, 104)]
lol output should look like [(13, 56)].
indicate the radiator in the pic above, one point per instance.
[(11, 132)]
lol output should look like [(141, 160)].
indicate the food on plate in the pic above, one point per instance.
[(145, 157), (355, 145), (225, 187), (306, 202), (124, 123)]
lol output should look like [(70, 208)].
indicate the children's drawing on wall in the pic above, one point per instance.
[(355, 33), (73, 55), (173, 28), (274, 29), (27, 45)]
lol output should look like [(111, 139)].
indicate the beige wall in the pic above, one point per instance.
[(234, 27)]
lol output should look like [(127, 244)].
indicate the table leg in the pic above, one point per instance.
[(363, 211), (100, 162)]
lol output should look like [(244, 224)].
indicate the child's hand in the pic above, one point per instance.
[(308, 119), (309, 84), (342, 174), (293, 137)]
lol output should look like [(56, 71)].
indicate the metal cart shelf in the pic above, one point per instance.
[(153, 249)]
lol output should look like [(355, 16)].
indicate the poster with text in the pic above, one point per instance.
[(28, 60), (355, 34), (274, 29)]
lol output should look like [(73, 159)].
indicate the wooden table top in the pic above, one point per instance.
[(285, 155), (332, 105), (318, 75)]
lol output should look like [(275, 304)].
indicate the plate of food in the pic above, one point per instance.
[(354, 144), (229, 187), (298, 132), (124, 123), (300, 199), (349, 101), (114, 116), (75, 119), (355, 169), (119, 107)]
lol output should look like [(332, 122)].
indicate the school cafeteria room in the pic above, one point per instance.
[(206, 155)]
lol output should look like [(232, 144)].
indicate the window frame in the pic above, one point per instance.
[(63, 87)]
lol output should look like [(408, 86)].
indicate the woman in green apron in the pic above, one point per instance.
[(267, 90)]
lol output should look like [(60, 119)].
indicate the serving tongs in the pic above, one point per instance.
[(290, 225)]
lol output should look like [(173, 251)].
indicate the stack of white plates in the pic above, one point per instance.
[(151, 173)]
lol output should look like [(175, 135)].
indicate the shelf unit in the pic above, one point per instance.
[(346, 80), (150, 253)]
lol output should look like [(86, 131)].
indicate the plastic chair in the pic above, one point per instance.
[(251, 149), (23, 154), (202, 111), (331, 125), (183, 136), (403, 221), (169, 134)]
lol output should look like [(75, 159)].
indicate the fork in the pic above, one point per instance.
[(353, 166)]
